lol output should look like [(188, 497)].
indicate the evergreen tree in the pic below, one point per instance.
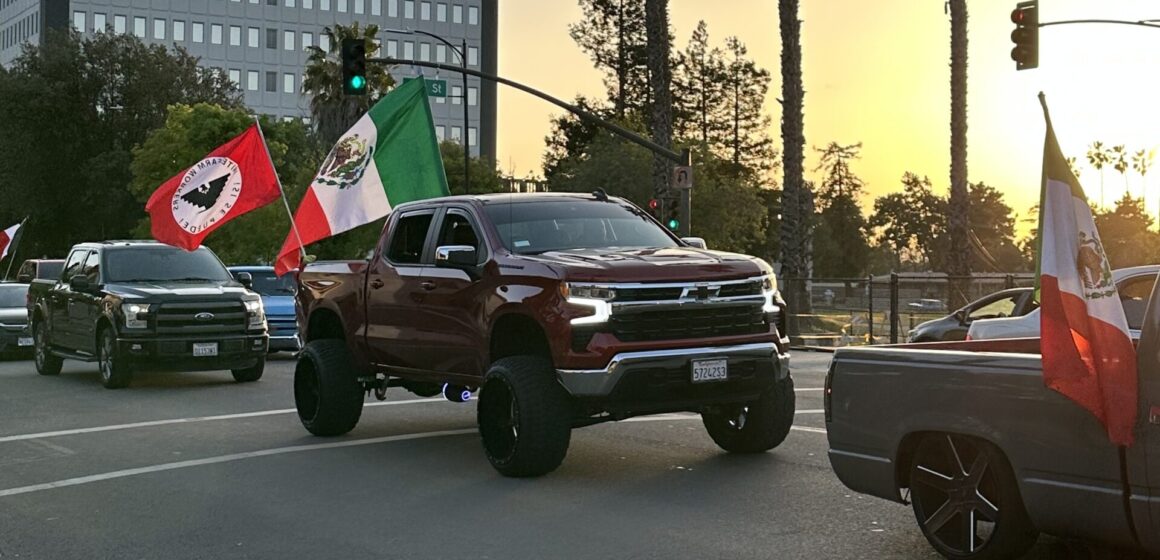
[(699, 103), (748, 144), (614, 35)]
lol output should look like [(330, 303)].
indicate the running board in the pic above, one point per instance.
[(73, 355)]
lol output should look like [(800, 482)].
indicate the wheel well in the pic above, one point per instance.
[(325, 324), (102, 324), (518, 335)]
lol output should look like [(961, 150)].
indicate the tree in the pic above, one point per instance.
[(840, 246), (1119, 160), (796, 201), (993, 226), (1125, 233), (660, 78), (699, 83), (911, 223), (332, 111), (1141, 163), (1098, 157), (570, 137), (839, 180), (189, 133), (959, 262), (71, 111), (613, 33), (748, 145), (484, 177)]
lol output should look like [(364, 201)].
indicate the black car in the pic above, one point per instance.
[(14, 333), (1014, 302)]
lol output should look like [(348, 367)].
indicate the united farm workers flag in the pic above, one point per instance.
[(6, 238), (233, 179), (1087, 351), (390, 156)]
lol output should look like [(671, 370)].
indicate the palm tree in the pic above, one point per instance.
[(1119, 158), (332, 111), (1097, 156), (1073, 165), (960, 262), (796, 211), (660, 76)]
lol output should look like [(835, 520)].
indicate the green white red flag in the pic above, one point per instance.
[(390, 156), (1087, 351)]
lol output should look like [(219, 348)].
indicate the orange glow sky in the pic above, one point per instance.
[(877, 72)]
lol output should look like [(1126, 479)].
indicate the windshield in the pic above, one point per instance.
[(269, 284), (163, 264), (12, 295), (529, 228)]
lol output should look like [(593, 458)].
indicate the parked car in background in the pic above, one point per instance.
[(14, 333), (278, 299), (1014, 302), (39, 269), (926, 305), (1134, 285)]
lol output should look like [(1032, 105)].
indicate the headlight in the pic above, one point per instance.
[(136, 315), (769, 292), (596, 297), (255, 312)]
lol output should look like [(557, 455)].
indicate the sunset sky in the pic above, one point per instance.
[(877, 72)]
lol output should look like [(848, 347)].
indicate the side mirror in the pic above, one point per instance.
[(80, 283), (456, 256), (698, 242), (961, 315), (246, 280), (24, 278)]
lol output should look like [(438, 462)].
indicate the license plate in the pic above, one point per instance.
[(205, 348), (710, 370), (24, 341)]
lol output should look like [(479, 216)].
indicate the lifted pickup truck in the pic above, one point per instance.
[(133, 305), (564, 310), (988, 457)]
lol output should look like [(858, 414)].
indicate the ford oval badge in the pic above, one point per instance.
[(203, 316)]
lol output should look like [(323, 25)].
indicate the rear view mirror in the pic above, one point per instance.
[(456, 256), (246, 280), (698, 242)]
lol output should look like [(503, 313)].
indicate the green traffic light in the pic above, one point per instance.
[(358, 82), (674, 224)]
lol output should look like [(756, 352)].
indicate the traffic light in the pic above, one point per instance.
[(354, 66), (673, 213), (1026, 35), (654, 208)]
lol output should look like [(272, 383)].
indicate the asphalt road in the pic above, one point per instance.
[(195, 466)]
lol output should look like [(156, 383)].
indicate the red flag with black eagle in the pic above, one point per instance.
[(234, 179)]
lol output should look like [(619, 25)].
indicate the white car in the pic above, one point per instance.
[(1134, 285)]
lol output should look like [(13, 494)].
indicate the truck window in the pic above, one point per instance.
[(1004, 307), (1134, 294), (72, 266), (92, 267), (457, 230), (406, 246), (25, 270), (560, 225)]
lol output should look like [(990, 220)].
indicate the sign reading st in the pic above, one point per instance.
[(435, 88)]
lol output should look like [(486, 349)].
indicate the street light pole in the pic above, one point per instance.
[(466, 114)]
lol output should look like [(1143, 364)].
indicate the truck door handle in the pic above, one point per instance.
[(376, 283), (427, 285)]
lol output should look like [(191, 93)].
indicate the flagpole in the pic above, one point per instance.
[(15, 245), (285, 201)]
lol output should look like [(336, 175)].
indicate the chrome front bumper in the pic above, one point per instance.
[(602, 382)]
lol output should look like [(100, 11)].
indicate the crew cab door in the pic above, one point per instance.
[(85, 308), (60, 302), (453, 306), (394, 292)]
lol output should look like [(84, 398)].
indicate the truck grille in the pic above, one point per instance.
[(281, 326), (696, 322), (648, 294), (228, 317)]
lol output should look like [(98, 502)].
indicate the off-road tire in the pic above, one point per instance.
[(754, 427), (327, 393), (525, 417), (250, 374), (115, 373), (47, 363)]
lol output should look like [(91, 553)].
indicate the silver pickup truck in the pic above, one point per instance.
[(988, 457)]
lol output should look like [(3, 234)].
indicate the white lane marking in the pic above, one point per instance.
[(224, 459), (810, 411), (151, 423), (808, 389), (808, 429)]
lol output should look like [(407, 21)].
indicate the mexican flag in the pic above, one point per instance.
[(6, 238), (390, 156), (1087, 352)]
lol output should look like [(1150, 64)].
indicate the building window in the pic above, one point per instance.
[(236, 76), (198, 32), (456, 94), (408, 50), (441, 12), (324, 42), (79, 21), (271, 38), (425, 52), (472, 56), (425, 11), (289, 3), (392, 8), (440, 53), (376, 7), (471, 136), (288, 83), (456, 14), (159, 29), (324, 5), (271, 2), (307, 40), (440, 132), (99, 23), (178, 30), (252, 37), (409, 9), (253, 1), (360, 6), (342, 6), (271, 81), (473, 15), (215, 33), (456, 134), (472, 94), (118, 24), (392, 48), (139, 27), (235, 36), (252, 80), (288, 40), (307, 4)]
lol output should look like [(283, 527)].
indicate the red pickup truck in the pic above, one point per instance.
[(563, 310)]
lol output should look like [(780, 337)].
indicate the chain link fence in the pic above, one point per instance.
[(833, 312)]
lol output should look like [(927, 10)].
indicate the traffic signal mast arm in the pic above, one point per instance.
[(1025, 37)]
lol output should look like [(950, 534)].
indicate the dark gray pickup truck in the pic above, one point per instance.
[(985, 453)]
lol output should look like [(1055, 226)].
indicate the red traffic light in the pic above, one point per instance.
[(1018, 15), (654, 204)]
